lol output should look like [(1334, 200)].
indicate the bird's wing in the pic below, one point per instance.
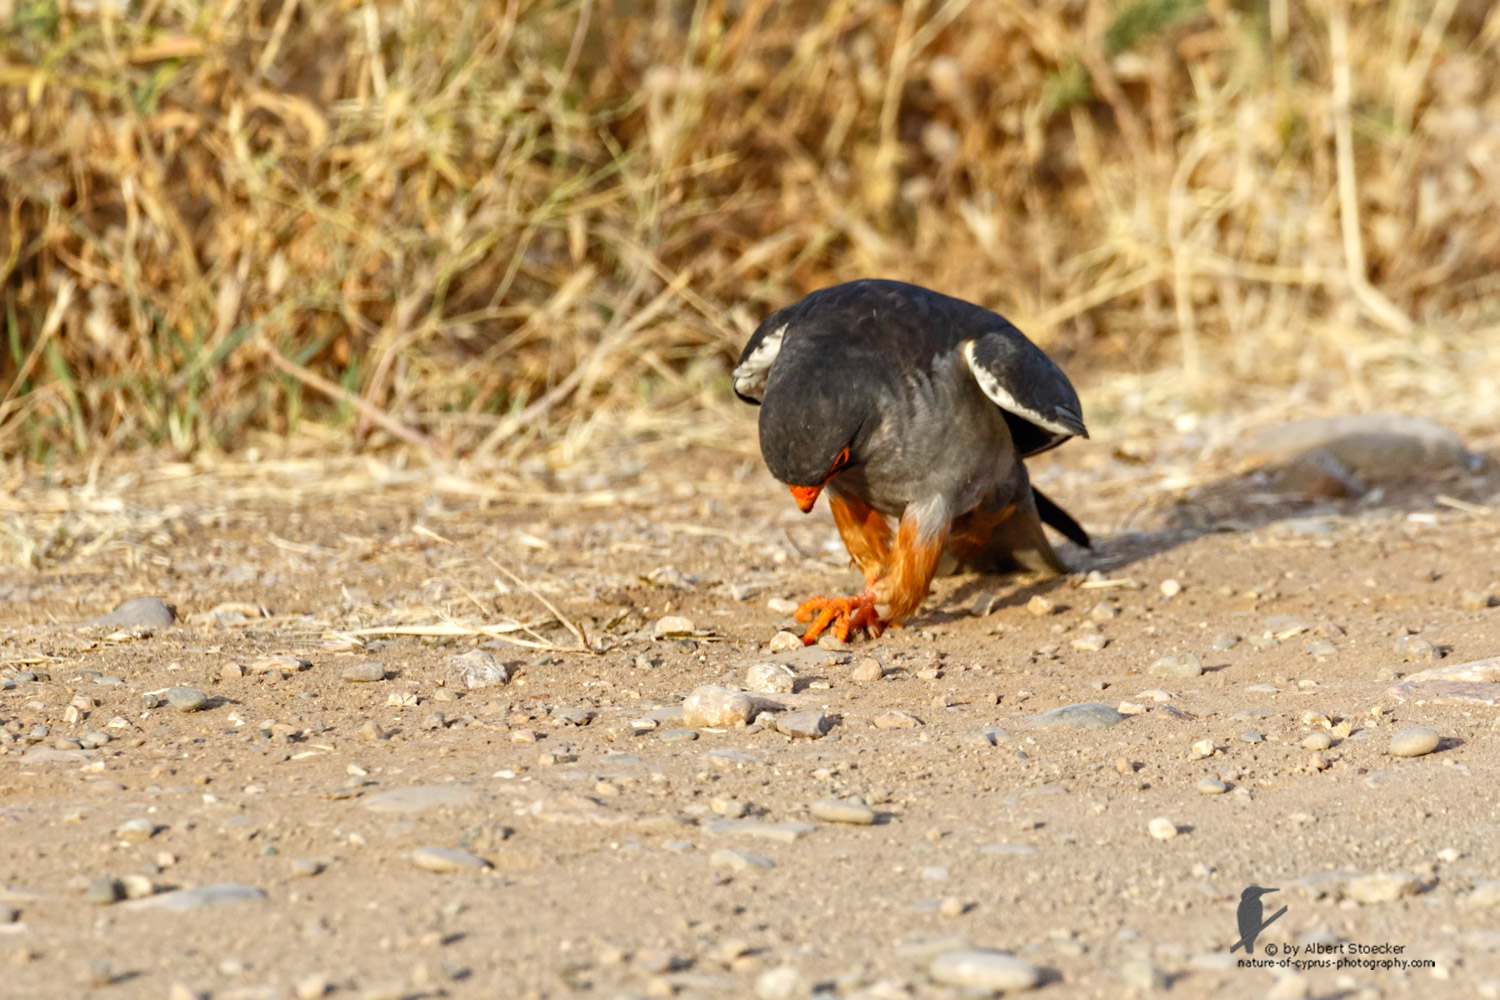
[(756, 359), (1040, 403)]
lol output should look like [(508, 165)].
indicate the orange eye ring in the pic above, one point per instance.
[(838, 463)]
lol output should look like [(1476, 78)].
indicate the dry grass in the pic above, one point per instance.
[(477, 227)]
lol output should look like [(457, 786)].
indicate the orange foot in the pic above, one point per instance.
[(845, 614)]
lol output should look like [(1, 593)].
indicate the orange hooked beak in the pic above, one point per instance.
[(805, 496)]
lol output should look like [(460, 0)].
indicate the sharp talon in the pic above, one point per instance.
[(843, 614)]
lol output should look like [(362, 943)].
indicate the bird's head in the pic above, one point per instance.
[(1255, 892), (814, 422)]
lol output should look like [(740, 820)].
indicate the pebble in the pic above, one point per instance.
[(1177, 665), (312, 987), (738, 861), (1103, 612), (833, 810), (1143, 976), (984, 970), (1202, 749), (983, 736), (1252, 736), (136, 831), (1041, 606), (1170, 588), (372, 731), (1381, 887), (1162, 828), (782, 606), (1415, 649), (1091, 642), (1322, 648), (364, 673), (478, 669), (417, 798), (672, 625), (306, 867), (896, 719), (1086, 715), (785, 642), (770, 678), (677, 735), (806, 723), (446, 859), (1484, 894), (185, 699), (152, 612), (218, 894), (1317, 741), (867, 670), (104, 890), (1209, 785), (785, 833), (717, 707), (782, 983), (1414, 742)]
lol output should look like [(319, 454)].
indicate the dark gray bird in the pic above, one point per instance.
[(1248, 916), (914, 411)]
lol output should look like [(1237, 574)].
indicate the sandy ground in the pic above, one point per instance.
[(600, 817)]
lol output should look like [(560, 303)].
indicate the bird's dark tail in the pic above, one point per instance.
[(1052, 514)]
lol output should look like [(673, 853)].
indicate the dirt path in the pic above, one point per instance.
[(601, 816)]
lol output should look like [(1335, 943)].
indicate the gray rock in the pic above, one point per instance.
[(364, 673), (1415, 649), (416, 798), (477, 669), (1252, 736), (1476, 682), (1322, 647), (104, 890), (785, 832), (852, 811), (1209, 785), (984, 970), (716, 707), (1087, 715), (218, 894), (446, 859), (136, 831), (738, 861), (152, 612), (1373, 447), (1416, 742), (807, 723), (770, 678), (185, 699), (1177, 665), (677, 735), (306, 867), (983, 736)]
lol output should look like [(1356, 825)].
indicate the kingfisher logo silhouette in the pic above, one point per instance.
[(1249, 918)]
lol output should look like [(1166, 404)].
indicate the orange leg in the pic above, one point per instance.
[(865, 534), (900, 588)]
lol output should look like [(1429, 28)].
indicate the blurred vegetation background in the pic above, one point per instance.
[(483, 227)]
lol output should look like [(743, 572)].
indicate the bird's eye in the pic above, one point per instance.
[(839, 462)]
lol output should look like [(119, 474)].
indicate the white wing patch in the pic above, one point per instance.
[(750, 374), (1000, 397)]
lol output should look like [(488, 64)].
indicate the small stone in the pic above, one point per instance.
[(372, 731), (785, 833), (1090, 642), (1103, 612), (867, 670), (896, 719), (851, 811), (1471, 600), (785, 642), (1086, 715), (1177, 665), (312, 987), (137, 886), (1162, 828), (806, 723), (782, 606), (1414, 742), (136, 831), (1041, 606), (738, 861), (152, 612), (185, 699), (364, 673), (782, 983), (1317, 741), (219, 894), (952, 907), (1170, 588), (770, 678), (1252, 736), (281, 663), (104, 890), (1143, 976), (1202, 749), (1415, 649), (477, 669), (446, 859), (232, 671), (1381, 887), (1209, 785), (984, 970), (672, 626), (418, 798), (1484, 895), (717, 707), (677, 735), (306, 867), (1322, 648), (983, 736)]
